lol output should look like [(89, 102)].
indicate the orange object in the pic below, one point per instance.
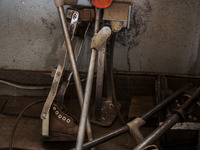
[(101, 3)]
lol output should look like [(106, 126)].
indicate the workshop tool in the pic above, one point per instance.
[(106, 109), (177, 115), (45, 112), (136, 123)]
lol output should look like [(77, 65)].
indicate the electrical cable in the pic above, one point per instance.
[(20, 86), (32, 87), (17, 121), (111, 48)]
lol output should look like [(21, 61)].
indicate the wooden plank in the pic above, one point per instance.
[(117, 11)]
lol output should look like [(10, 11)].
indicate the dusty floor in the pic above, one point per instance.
[(28, 132)]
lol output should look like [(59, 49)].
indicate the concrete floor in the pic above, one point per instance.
[(28, 132)]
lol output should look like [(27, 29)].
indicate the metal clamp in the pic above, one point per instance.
[(134, 129)]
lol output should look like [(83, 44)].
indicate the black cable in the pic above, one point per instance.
[(17, 121), (111, 49), (15, 115)]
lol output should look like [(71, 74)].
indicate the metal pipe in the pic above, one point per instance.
[(88, 89), (74, 66), (188, 102), (158, 132), (198, 148), (126, 128), (168, 123), (142, 73), (166, 101), (106, 137)]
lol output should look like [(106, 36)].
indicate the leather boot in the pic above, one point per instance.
[(62, 124)]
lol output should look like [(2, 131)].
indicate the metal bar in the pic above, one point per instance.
[(166, 101), (158, 132), (188, 102), (108, 76), (143, 73), (106, 137), (74, 66), (99, 82), (125, 128), (199, 141), (88, 89), (112, 80), (155, 135)]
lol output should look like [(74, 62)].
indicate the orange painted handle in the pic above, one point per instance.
[(101, 3)]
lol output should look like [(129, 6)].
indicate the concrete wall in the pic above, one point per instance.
[(164, 37)]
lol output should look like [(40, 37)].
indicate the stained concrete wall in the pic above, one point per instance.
[(164, 37)]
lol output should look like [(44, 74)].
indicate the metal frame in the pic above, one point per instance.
[(135, 124), (174, 118)]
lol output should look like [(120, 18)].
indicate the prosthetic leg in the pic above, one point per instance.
[(107, 108), (97, 44), (64, 122)]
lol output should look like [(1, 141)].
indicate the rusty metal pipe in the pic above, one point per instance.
[(74, 66)]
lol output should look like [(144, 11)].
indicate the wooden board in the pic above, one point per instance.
[(117, 11)]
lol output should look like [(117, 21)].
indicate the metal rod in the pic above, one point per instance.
[(112, 80), (188, 102), (125, 128), (106, 137), (99, 82), (158, 132), (74, 66), (166, 101), (88, 89), (198, 148), (155, 135), (142, 73)]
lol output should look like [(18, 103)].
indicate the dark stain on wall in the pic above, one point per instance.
[(49, 25), (138, 24)]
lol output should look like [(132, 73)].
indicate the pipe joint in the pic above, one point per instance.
[(134, 129)]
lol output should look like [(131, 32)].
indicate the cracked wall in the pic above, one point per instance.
[(164, 37)]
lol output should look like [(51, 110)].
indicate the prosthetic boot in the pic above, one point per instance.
[(62, 125)]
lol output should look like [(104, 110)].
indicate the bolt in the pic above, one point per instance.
[(74, 16)]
